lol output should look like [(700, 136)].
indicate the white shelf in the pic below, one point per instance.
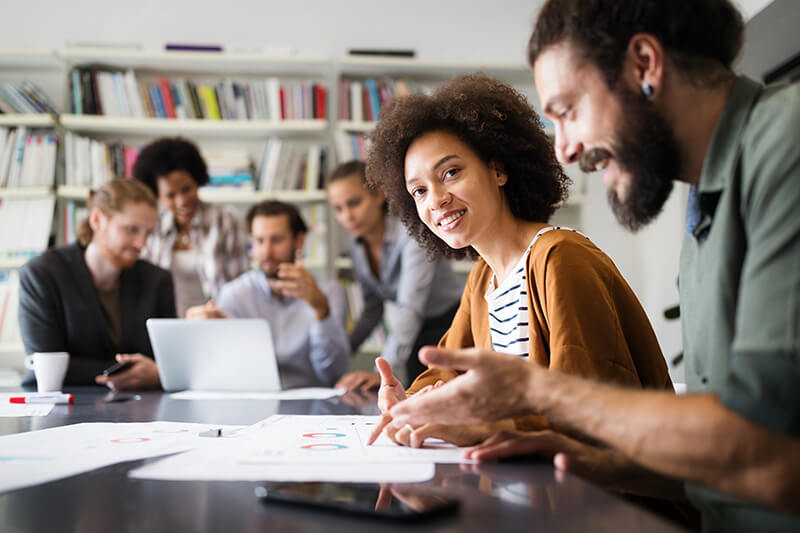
[(12, 347), (30, 59), (314, 264), (35, 120), (342, 263), (233, 196), (212, 62), (7, 263), (376, 65), (218, 196), (25, 192), (163, 126), (73, 192), (355, 126)]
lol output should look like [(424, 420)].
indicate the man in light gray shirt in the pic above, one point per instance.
[(306, 313)]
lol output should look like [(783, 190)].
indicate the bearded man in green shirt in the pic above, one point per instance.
[(644, 90)]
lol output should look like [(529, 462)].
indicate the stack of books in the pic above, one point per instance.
[(316, 248), (287, 165), (91, 163), (351, 146), (120, 94), (362, 100), (229, 167), (24, 98), (26, 224), (27, 159)]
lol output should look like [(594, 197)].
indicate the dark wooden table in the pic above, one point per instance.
[(497, 497)]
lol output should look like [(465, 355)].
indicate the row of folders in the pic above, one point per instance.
[(120, 94), (361, 101)]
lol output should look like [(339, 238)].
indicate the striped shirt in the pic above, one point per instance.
[(508, 307)]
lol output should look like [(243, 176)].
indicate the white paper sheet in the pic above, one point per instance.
[(308, 393), (220, 462), (306, 448), (337, 440), (40, 456), (30, 409)]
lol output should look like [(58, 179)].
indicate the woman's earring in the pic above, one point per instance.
[(647, 90)]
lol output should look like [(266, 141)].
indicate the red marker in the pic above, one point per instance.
[(57, 397)]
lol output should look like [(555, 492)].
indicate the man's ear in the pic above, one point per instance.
[(643, 67), (97, 219)]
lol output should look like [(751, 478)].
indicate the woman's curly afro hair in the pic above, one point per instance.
[(496, 122)]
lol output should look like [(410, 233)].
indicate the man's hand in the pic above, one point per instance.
[(359, 379), (142, 374), (493, 387), (459, 435), (295, 281), (203, 312), (606, 467)]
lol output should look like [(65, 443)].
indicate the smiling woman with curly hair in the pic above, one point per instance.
[(470, 172)]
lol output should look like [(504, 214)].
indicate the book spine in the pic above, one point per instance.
[(77, 97), (166, 96)]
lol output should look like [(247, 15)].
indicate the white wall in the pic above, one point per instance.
[(441, 29)]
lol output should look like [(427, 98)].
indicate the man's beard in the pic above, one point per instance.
[(646, 149)]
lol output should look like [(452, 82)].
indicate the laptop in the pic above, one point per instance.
[(228, 354)]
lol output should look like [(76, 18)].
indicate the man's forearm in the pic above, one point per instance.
[(691, 437)]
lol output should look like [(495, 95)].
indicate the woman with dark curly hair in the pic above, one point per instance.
[(470, 172), (203, 245)]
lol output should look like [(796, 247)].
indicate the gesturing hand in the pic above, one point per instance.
[(295, 281), (492, 387)]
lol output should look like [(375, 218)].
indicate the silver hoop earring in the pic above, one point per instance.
[(647, 90)]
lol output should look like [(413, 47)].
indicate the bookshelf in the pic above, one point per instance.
[(31, 120), (186, 61), (27, 59), (231, 129), (251, 131), (25, 192), (12, 263), (219, 195)]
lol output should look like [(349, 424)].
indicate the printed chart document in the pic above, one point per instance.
[(308, 393), (306, 448), (339, 439), (37, 457)]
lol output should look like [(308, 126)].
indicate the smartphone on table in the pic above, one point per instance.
[(364, 499)]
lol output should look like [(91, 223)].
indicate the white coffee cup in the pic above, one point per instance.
[(49, 368)]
